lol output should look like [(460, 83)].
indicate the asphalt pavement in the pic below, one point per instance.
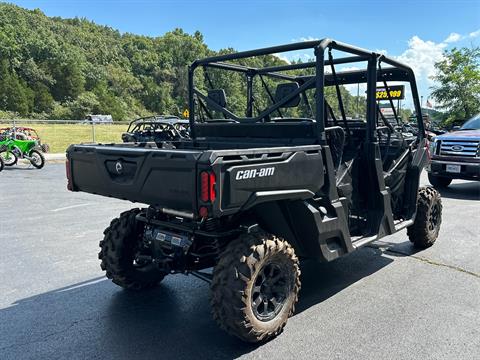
[(387, 301)]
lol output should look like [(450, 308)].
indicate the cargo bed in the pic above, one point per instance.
[(170, 178), (139, 174)]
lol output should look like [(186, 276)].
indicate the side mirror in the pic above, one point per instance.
[(218, 96), (455, 128), (286, 89)]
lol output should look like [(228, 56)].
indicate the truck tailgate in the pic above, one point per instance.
[(151, 176)]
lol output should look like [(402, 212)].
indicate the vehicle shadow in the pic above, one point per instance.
[(396, 249), (323, 280), (96, 319), (462, 191)]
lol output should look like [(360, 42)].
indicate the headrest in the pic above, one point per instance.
[(218, 96), (286, 89)]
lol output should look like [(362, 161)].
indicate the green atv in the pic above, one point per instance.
[(12, 149)]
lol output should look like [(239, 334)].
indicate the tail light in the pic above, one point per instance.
[(207, 186), (68, 170), (207, 191), (211, 188)]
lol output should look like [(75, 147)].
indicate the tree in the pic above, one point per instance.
[(15, 95), (69, 80), (108, 103), (43, 101), (405, 114), (458, 75), (86, 103)]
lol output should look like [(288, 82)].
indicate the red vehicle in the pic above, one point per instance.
[(24, 133)]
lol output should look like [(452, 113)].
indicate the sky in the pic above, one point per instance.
[(415, 32)]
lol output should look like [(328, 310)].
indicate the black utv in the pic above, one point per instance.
[(267, 179), (156, 128)]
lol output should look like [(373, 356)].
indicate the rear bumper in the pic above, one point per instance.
[(468, 170)]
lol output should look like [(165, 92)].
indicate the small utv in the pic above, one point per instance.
[(156, 128)]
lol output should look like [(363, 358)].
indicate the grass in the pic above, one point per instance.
[(60, 136)]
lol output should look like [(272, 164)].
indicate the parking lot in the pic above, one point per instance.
[(386, 301)]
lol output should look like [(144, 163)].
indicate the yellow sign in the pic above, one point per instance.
[(186, 113), (396, 92)]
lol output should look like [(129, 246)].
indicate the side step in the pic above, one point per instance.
[(360, 241)]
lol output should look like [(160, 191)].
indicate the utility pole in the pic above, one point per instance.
[(398, 111), (93, 130)]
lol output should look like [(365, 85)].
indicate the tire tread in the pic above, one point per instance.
[(236, 268), (419, 233), (118, 240)]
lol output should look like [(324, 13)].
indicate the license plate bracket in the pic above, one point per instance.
[(452, 168)]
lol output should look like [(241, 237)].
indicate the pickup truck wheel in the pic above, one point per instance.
[(255, 287), (439, 182), (424, 230), (119, 249)]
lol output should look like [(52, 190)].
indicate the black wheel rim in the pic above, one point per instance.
[(270, 291), (434, 218)]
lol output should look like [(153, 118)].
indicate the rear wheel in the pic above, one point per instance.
[(426, 227), (439, 182), (1, 164), (9, 158), (255, 287), (123, 256), (37, 159)]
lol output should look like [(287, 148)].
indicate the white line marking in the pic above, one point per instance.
[(82, 285), (70, 207)]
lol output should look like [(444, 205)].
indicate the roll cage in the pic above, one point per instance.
[(374, 73), (154, 119)]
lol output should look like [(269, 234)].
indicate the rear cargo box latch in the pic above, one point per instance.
[(121, 171), (119, 167)]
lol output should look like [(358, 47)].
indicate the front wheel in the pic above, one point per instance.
[(1, 164), (428, 219), (9, 158), (255, 287), (439, 182), (37, 159)]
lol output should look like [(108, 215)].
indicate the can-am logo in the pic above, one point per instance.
[(253, 173)]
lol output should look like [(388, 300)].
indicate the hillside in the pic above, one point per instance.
[(58, 68), (64, 68)]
